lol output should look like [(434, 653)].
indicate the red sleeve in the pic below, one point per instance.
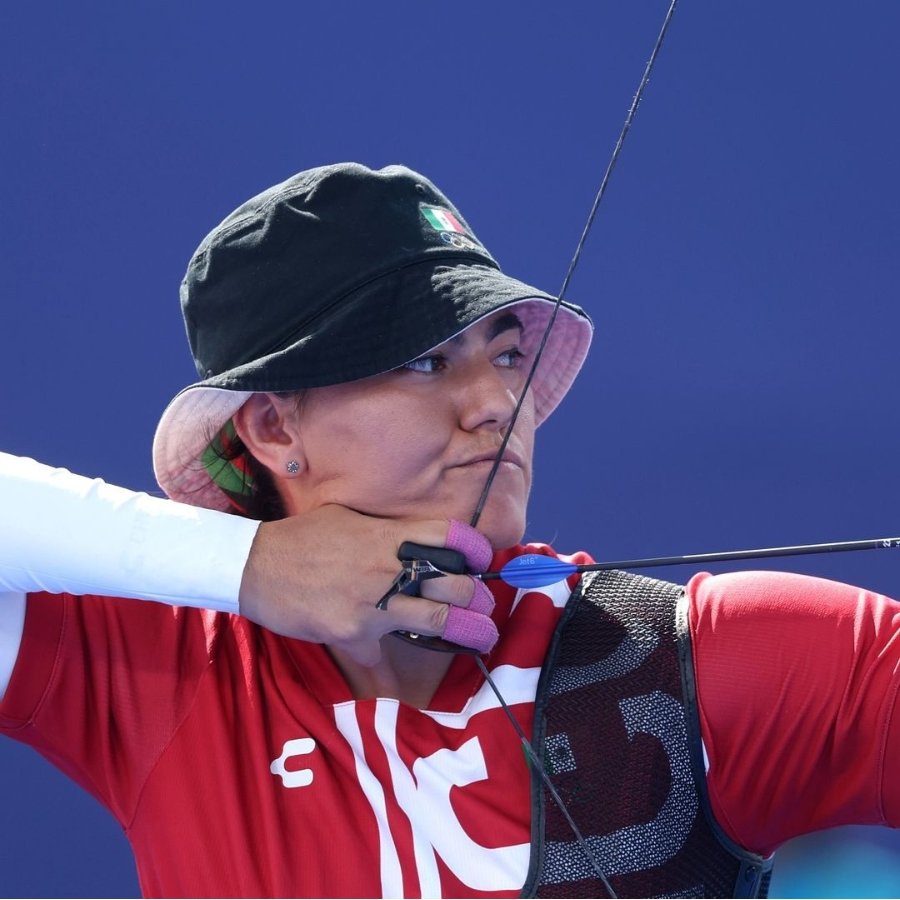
[(101, 684), (797, 682)]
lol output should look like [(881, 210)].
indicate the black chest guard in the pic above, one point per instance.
[(617, 728)]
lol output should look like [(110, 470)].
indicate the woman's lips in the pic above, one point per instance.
[(487, 460)]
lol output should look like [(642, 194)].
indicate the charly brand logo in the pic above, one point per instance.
[(295, 777), (452, 231)]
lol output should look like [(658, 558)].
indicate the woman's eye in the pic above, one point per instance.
[(433, 363), (510, 359)]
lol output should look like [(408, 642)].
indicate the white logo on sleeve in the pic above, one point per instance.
[(296, 777)]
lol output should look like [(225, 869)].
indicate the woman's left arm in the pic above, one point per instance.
[(797, 682), (314, 577), (61, 532)]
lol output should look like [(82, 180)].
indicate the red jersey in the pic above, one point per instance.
[(239, 763)]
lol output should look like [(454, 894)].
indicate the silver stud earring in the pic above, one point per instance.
[(293, 467)]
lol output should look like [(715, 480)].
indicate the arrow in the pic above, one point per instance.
[(532, 570)]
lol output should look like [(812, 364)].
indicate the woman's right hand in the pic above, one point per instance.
[(317, 577)]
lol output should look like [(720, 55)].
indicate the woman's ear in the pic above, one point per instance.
[(268, 425)]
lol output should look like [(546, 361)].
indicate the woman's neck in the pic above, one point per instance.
[(405, 672)]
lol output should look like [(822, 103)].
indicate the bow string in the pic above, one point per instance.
[(482, 500), (598, 197)]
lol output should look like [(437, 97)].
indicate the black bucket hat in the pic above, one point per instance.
[(339, 273)]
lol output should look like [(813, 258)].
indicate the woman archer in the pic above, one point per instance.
[(360, 356)]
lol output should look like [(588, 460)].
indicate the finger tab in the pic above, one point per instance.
[(471, 543)]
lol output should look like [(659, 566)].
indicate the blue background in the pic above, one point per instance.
[(742, 272)]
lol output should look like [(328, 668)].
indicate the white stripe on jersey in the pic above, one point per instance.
[(405, 792), (391, 873), (515, 684)]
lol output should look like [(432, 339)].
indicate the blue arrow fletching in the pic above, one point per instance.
[(533, 571)]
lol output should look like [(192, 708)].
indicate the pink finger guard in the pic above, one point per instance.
[(482, 599), (471, 543), (471, 629)]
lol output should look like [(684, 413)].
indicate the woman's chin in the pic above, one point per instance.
[(502, 531)]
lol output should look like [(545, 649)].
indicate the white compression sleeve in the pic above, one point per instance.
[(61, 532)]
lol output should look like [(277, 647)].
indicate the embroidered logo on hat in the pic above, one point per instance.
[(442, 219), (450, 229)]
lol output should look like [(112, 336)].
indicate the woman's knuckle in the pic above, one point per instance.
[(463, 587), (438, 617)]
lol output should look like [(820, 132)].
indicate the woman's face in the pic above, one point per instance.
[(418, 442)]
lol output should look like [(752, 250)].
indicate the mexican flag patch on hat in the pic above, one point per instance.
[(442, 219)]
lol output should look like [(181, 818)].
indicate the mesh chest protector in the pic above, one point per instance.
[(618, 731)]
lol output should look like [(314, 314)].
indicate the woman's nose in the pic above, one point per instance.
[(486, 399)]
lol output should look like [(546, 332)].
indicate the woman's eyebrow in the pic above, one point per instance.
[(506, 322)]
